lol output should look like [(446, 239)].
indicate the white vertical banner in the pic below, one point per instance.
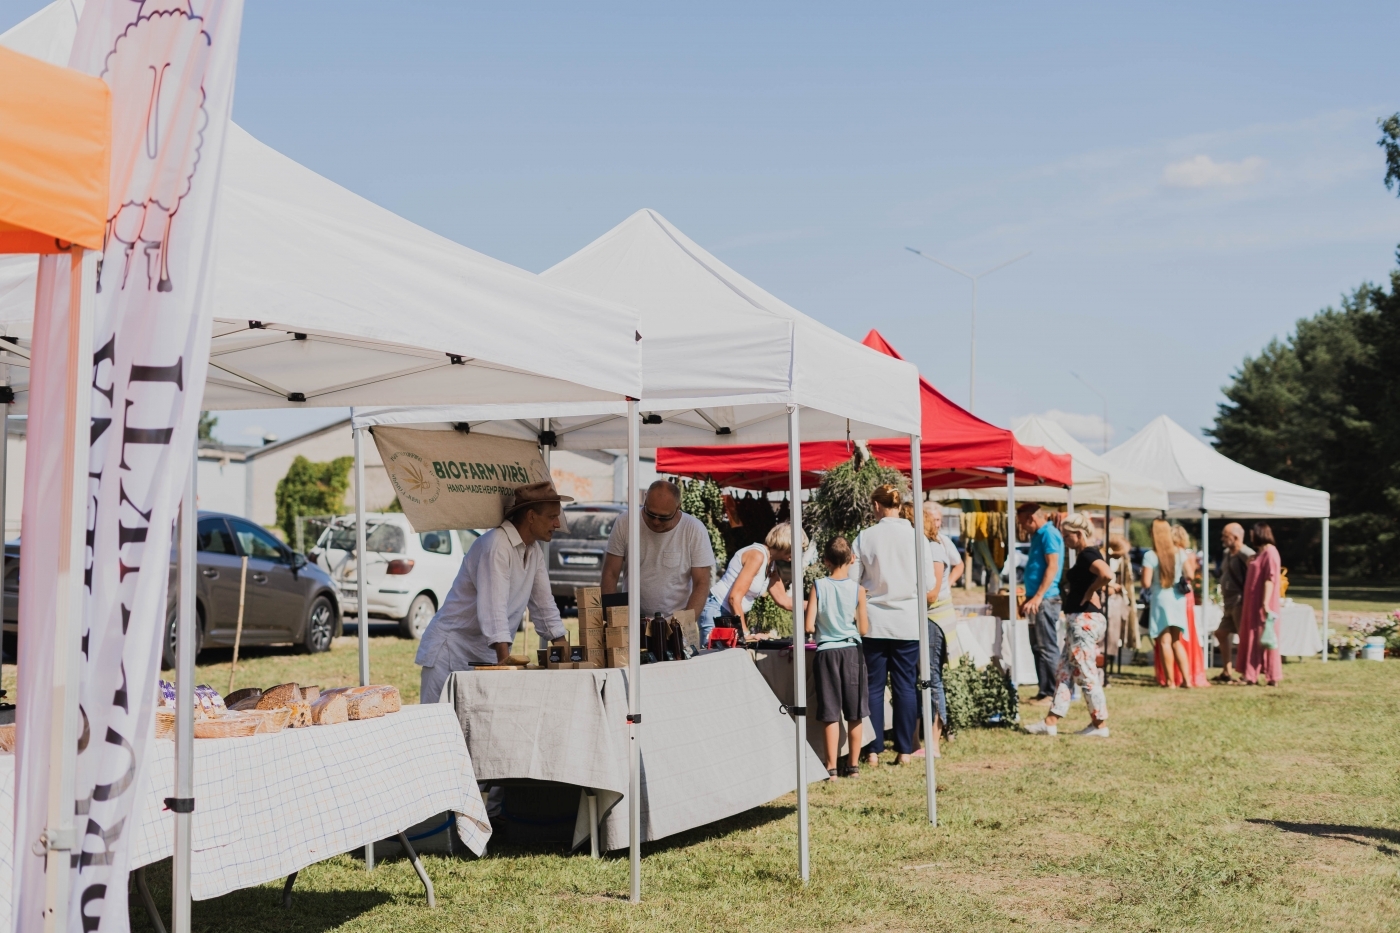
[(171, 69)]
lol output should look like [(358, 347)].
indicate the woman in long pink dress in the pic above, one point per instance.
[(1261, 599)]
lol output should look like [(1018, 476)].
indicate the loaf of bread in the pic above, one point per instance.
[(389, 696), (330, 708), (247, 703), (367, 705), (280, 695), (301, 715), (7, 738), (309, 694), (238, 696)]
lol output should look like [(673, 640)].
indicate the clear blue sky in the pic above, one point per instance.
[(1191, 178)]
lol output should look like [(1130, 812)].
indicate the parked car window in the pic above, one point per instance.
[(339, 537), (586, 523), (386, 536), (214, 537), (436, 542), (258, 543)]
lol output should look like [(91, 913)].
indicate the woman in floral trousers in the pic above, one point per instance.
[(1087, 583)]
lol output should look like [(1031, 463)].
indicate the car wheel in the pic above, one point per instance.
[(167, 654), (420, 613), (320, 626)]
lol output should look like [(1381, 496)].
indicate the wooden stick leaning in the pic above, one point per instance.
[(238, 629)]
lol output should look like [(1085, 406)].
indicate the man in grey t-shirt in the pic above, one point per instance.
[(1234, 563), (676, 557)]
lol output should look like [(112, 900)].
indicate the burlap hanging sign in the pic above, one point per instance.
[(446, 479)]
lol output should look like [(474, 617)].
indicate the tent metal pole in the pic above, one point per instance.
[(185, 635), (926, 661), (1326, 585), (361, 603), (799, 636), (1205, 581), (1011, 607), (545, 449), (634, 654), (70, 593)]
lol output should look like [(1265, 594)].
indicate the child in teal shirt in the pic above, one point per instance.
[(836, 615)]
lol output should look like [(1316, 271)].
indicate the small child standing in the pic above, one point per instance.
[(836, 614)]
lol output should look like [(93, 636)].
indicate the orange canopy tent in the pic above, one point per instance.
[(55, 152)]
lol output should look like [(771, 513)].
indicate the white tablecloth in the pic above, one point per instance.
[(985, 637), (1298, 626), (269, 805), (714, 742)]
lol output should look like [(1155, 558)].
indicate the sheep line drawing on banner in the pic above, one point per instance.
[(157, 131)]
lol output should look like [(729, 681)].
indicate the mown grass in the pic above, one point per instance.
[(1229, 808)]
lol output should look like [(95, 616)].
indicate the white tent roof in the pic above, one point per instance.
[(721, 357), (325, 297), (1197, 477), (1096, 481)]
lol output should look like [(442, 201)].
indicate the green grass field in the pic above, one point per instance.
[(1348, 596), (1229, 808)]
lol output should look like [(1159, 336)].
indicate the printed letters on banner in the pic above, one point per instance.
[(449, 480), (170, 66)]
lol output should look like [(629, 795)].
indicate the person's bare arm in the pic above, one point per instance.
[(778, 590), (1103, 576), (938, 571), (955, 570), (753, 563), (699, 589), (812, 613), (612, 570), (862, 617)]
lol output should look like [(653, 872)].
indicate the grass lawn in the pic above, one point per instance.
[(1229, 808)]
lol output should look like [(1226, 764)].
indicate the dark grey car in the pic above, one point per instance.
[(286, 599), (576, 553)]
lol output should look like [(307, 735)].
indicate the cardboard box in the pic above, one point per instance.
[(616, 616), (617, 638), (594, 638), (588, 597), (617, 657), (590, 618), (1001, 606)]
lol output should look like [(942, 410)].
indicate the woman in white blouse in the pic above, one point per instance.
[(884, 565)]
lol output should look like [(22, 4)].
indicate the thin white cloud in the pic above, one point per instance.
[(1204, 172), (1087, 429)]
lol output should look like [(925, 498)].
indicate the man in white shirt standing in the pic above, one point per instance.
[(506, 571), (676, 559)]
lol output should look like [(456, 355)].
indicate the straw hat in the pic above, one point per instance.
[(533, 494)]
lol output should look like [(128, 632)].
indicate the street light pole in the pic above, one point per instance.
[(1103, 399), (972, 366)]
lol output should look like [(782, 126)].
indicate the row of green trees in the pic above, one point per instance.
[(1322, 408)]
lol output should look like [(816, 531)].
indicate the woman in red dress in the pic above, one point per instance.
[(1261, 601)]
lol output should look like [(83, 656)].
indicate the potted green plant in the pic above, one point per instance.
[(1347, 644)]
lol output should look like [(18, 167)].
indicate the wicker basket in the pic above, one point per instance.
[(7, 738), (228, 726), (165, 722), (274, 720)]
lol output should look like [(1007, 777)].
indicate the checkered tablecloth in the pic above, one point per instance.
[(269, 805)]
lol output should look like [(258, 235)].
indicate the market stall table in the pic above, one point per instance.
[(716, 743), (775, 664), (1298, 632), (270, 805)]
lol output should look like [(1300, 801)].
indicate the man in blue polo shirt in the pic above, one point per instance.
[(1042, 607)]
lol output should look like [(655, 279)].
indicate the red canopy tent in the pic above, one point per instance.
[(960, 451)]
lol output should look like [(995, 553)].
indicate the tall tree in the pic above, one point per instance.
[(312, 489)]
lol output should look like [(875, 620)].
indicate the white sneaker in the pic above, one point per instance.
[(1094, 732), (1041, 728)]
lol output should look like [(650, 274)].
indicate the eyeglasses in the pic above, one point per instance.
[(659, 519)]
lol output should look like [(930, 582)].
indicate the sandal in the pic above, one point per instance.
[(848, 770), (831, 774)]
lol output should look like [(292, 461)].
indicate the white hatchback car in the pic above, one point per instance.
[(407, 575)]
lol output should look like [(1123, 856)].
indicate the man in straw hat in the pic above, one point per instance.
[(506, 570)]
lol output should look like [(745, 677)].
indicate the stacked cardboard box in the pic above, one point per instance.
[(616, 637)]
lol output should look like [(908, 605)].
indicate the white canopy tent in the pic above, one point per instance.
[(324, 299), (723, 362), (1200, 482), (1096, 481)]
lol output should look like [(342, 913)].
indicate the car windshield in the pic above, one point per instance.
[(589, 523)]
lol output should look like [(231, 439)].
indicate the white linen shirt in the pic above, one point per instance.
[(884, 565), (500, 576), (666, 561)]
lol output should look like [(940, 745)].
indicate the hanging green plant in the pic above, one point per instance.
[(703, 499)]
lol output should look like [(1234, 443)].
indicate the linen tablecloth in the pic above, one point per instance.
[(714, 742), (269, 805), (1298, 627)]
